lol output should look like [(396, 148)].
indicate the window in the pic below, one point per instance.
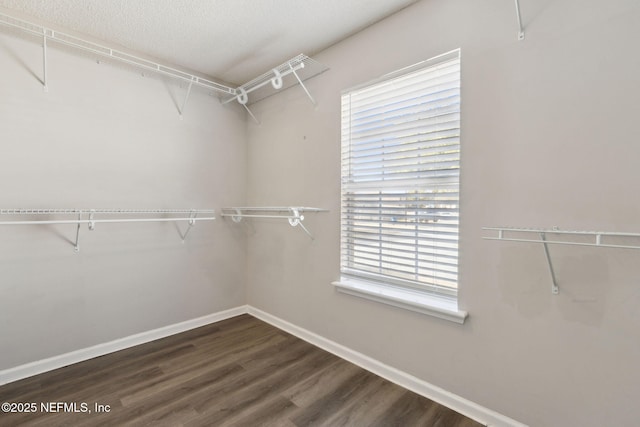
[(400, 187)]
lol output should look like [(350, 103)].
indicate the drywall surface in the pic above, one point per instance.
[(549, 138), (106, 136)]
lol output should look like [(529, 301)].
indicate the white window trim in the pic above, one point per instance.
[(419, 302), (383, 291)]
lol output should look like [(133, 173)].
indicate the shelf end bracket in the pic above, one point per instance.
[(296, 219), (186, 98), (76, 247), (520, 29), (191, 223), (554, 284), (313, 101), (44, 60)]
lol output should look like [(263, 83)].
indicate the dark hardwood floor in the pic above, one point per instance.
[(238, 372)]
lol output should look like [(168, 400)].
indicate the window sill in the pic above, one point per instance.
[(403, 298)]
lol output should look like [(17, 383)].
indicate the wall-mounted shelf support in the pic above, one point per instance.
[(292, 214), (564, 237), (88, 216), (251, 114), (301, 67), (191, 222), (520, 29), (113, 54), (44, 60), (554, 283), (313, 101), (186, 98), (76, 247)]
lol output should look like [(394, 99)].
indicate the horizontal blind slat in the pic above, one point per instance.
[(400, 159)]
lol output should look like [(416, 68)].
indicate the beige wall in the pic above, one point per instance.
[(104, 136), (549, 138)]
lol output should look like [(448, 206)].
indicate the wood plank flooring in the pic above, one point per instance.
[(238, 372)]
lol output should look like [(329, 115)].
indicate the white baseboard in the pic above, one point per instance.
[(459, 404), (45, 365), (423, 388)]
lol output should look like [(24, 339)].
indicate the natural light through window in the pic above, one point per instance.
[(400, 185)]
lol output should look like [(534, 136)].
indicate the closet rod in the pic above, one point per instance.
[(96, 221), (277, 208), (91, 221), (596, 235), (301, 67), (277, 76), (22, 211), (240, 215), (293, 214)]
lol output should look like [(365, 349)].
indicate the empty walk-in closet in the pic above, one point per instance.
[(368, 212)]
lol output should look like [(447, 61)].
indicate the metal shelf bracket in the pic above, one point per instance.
[(190, 223), (301, 67), (520, 29), (313, 101), (564, 237), (76, 247), (63, 38), (44, 60), (132, 215), (292, 214), (186, 98), (554, 283)]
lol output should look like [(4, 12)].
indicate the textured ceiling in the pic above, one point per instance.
[(230, 40)]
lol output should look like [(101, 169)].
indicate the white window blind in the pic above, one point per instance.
[(400, 178)]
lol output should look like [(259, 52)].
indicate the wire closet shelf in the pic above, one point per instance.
[(556, 236), (292, 214), (90, 217), (562, 237), (300, 67), (104, 51)]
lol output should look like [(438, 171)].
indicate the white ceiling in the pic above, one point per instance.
[(229, 40)]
